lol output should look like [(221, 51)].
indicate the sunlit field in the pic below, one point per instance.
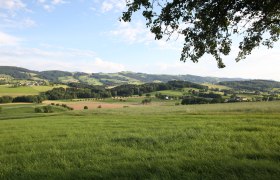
[(7, 90), (221, 141)]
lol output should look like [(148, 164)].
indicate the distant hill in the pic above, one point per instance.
[(165, 78), (253, 85), (16, 72), (53, 76), (105, 79)]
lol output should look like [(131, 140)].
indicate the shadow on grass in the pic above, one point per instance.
[(158, 169)]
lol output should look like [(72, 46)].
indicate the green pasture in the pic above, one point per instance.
[(220, 141), (169, 92), (7, 90), (214, 86), (90, 80), (24, 110), (136, 99), (67, 79)]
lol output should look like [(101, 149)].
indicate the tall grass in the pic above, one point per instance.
[(227, 141)]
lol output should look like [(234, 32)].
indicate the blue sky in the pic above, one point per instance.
[(86, 35)]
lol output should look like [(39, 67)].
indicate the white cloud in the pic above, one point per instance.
[(105, 66), (106, 6), (137, 32), (7, 40), (56, 58), (261, 64), (17, 23), (49, 5), (47, 57), (132, 33), (27, 23), (12, 14), (58, 2), (12, 4), (109, 5)]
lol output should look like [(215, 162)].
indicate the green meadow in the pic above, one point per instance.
[(7, 90), (220, 141)]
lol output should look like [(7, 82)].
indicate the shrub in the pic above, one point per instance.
[(70, 108), (0, 109), (57, 104), (195, 100), (52, 104), (6, 99), (38, 110), (146, 101), (99, 106), (48, 109), (85, 107), (177, 104)]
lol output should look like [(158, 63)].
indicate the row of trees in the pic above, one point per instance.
[(74, 93), (130, 89), (199, 98), (29, 99), (252, 85)]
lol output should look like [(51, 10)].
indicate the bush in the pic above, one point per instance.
[(146, 101), (52, 104), (85, 107), (6, 99), (195, 100), (0, 109), (57, 104), (38, 110), (70, 108), (48, 109), (44, 109), (99, 106)]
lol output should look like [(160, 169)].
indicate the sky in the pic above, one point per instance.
[(87, 36)]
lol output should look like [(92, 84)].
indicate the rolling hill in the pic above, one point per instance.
[(253, 85), (106, 79)]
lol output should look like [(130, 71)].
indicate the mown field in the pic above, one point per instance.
[(220, 141), (7, 90)]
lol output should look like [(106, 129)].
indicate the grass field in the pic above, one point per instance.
[(90, 80), (6, 90), (169, 93), (220, 141), (214, 86), (67, 79)]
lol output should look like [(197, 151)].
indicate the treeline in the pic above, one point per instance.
[(203, 98), (75, 93), (27, 99), (130, 89), (253, 85)]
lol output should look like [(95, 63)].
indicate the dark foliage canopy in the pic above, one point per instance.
[(208, 26)]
